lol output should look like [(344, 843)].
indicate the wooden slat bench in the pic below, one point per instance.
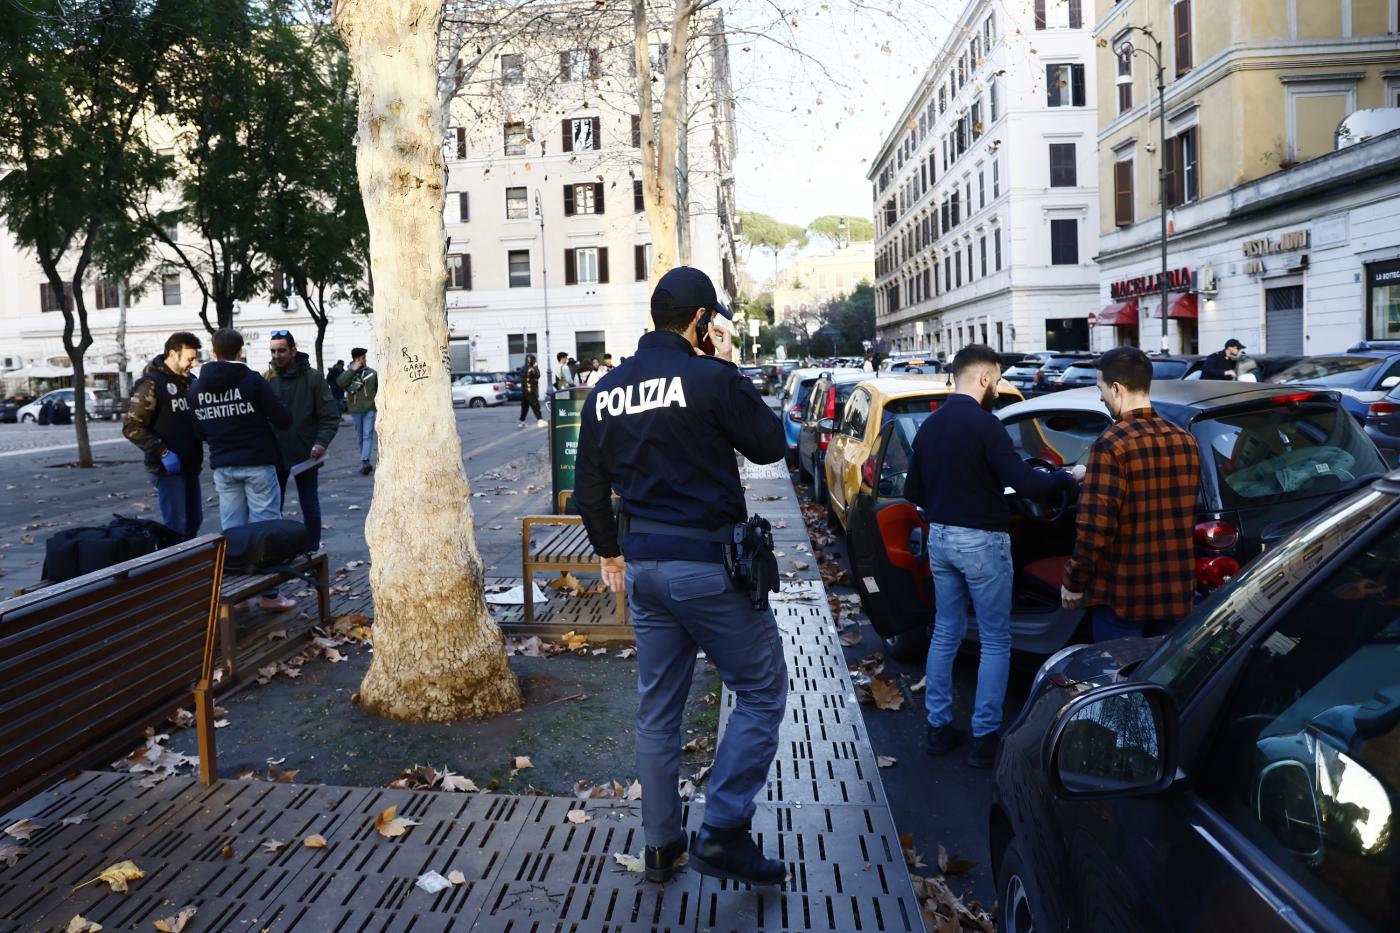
[(87, 664), (562, 547), (242, 651)]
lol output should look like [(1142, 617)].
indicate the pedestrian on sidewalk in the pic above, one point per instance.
[(1223, 364), (660, 429), (237, 412), (315, 419), (333, 380), (608, 364), (159, 420), (962, 462), (530, 391), (563, 375), (590, 373), (361, 385), (1134, 561)]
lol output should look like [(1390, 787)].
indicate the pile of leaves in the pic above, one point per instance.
[(426, 777), (154, 760), (575, 642), (325, 642), (944, 911)]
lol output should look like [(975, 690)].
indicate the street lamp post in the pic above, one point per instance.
[(841, 239), (544, 282), (1126, 45)]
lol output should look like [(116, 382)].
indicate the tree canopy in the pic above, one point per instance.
[(828, 227), (760, 230)]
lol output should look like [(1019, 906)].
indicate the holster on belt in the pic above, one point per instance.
[(750, 560)]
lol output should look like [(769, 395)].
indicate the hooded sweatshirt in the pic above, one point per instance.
[(236, 411)]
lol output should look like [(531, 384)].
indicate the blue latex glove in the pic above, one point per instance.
[(170, 462)]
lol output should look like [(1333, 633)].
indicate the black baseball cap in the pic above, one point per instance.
[(1232, 342), (685, 287)]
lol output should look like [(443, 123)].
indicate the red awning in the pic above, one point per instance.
[(1123, 314), (1184, 308)]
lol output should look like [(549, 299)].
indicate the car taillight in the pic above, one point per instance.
[(1216, 535), (1291, 398), (1216, 571), (495, 388), (867, 472), (795, 415), (824, 439), (1383, 408)]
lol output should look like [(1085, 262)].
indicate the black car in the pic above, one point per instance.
[(1241, 774), (1166, 366), (1269, 458), (827, 400), (756, 377), (1049, 372), (1021, 374), (775, 374), (1255, 368), (1077, 375), (511, 380)]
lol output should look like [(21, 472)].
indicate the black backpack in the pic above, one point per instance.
[(266, 545), (75, 551)]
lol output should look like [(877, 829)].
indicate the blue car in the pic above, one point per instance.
[(792, 400), (1363, 375)]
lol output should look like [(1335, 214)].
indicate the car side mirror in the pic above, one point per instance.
[(1390, 382), (1286, 805), (827, 425), (1117, 741)]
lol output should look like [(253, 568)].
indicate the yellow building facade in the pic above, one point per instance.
[(807, 284), (1255, 92)]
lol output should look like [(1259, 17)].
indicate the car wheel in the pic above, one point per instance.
[(477, 403), (28, 419), (911, 645), (1017, 913)]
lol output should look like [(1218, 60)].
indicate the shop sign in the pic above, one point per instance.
[(1177, 280), (1286, 243)]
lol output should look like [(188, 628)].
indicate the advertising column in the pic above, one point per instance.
[(565, 412)]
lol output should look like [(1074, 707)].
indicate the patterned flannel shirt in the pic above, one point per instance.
[(1134, 551)]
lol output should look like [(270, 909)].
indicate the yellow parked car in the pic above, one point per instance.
[(850, 457)]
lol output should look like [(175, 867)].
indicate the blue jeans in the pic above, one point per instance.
[(309, 498), (968, 563), (180, 507), (247, 494), (677, 605), (364, 430)]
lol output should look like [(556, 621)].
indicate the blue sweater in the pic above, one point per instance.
[(963, 461), (236, 410)]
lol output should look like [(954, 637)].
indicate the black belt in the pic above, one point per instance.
[(634, 525)]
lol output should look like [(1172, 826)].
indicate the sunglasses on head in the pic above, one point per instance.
[(281, 333)]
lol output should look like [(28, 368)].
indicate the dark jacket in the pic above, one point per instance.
[(963, 461), (236, 411), (361, 386), (315, 415), (661, 430), (1217, 365), (530, 379), (159, 418), (332, 380)]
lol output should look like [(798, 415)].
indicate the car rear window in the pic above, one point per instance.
[(1346, 372), (803, 392), (1281, 453), (1168, 369)]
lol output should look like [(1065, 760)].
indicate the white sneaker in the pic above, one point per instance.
[(539, 424), (520, 425)]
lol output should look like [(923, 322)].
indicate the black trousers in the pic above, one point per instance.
[(530, 401)]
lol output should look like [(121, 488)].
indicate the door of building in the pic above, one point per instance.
[(1283, 319), (518, 346)]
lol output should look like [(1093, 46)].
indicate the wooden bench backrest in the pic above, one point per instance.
[(86, 664)]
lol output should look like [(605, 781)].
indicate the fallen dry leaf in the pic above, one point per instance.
[(456, 877), (226, 851), (686, 789), (314, 841), (117, 876), (886, 693), (522, 762), (10, 853), (455, 782), (630, 862), (23, 829), (701, 743), (388, 825), (885, 761), (272, 845), (626, 653), (81, 924), (176, 923), (432, 882), (577, 816), (850, 637), (634, 791), (74, 820), (222, 724)]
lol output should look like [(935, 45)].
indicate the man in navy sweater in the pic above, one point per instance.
[(962, 463), (236, 411)]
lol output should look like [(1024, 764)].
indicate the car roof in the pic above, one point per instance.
[(842, 375), (1165, 393), (895, 387)]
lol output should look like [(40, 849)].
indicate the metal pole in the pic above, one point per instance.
[(1162, 174), (544, 283)]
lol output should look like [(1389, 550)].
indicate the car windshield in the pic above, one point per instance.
[(803, 392), (1168, 369), (1284, 452), (1345, 372)]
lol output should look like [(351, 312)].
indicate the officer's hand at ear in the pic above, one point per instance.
[(614, 571), (722, 336)]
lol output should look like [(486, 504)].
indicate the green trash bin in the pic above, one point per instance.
[(565, 415)]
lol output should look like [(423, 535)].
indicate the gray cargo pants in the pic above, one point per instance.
[(677, 605)]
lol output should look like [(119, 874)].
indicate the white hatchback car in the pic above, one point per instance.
[(30, 413), (477, 390)]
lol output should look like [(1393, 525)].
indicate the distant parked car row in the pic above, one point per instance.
[(478, 390)]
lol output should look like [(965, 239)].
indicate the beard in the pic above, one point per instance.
[(989, 399)]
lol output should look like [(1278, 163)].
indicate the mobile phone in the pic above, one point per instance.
[(702, 334)]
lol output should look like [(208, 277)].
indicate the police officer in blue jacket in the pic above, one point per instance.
[(661, 430)]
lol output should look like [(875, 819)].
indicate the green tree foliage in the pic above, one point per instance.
[(764, 232), (850, 319), (828, 227)]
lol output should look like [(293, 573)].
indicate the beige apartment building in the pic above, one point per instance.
[(808, 284), (1283, 223)]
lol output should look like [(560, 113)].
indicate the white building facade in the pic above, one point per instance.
[(985, 191)]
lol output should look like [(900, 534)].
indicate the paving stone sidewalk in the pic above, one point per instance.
[(235, 850)]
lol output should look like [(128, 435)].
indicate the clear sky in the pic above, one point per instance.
[(811, 120)]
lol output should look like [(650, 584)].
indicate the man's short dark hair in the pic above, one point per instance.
[(1128, 366), (975, 354), (228, 343), (180, 340), (357, 352), (286, 335), (561, 356)]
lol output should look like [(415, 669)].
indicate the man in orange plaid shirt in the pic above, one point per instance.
[(1134, 561)]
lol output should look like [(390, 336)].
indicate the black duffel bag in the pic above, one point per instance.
[(76, 551), (266, 545)]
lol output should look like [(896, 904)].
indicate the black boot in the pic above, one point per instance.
[(662, 862), (732, 854)]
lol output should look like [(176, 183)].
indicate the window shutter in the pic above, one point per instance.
[(1076, 14), (602, 265), (1052, 86), (1183, 36), (570, 270), (464, 206), (568, 200), (598, 198), (636, 132), (467, 271), (568, 137), (639, 260), (1077, 83), (1123, 193), (597, 133), (1173, 175), (639, 203), (461, 142), (564, 66), (1039, 14)]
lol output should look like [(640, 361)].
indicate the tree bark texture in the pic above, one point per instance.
[(438, 654), (659, 151)]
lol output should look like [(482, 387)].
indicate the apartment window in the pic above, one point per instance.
[(641, 260), (583, 199), (1064, 85), (1123, 193), (170, 288), (517, 204), (578, 65), (515, 138), (954, 208), (459, 134), (969, 262), (1125, 90), (976, 121), (996, 248), (1076, 14), (1062, 168), (989, 31), (993, 94), (1064, 242), (1183, 168), (1039, 14), (981, 189), (518, 262), (586, 266), (1182, 32), (982, 249), (512, 69), (948, 272), (459, 271), (636, 131), (107, 293), (942, 99), (464, 206), (957, 268), (582, 134), (171, 228), (49, 299), (996, 178), (639, 203)]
